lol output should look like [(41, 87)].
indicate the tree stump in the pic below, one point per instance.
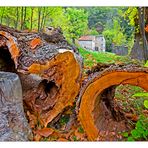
[(49, 69), (13, 125), (97, 113)]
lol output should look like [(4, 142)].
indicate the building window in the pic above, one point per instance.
[(96, 48)]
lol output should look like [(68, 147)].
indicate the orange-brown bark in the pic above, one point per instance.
[(91, 111)]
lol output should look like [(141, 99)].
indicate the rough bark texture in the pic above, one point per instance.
[(13, 123), (140, 50), (48, 67), (97, 113), (137, 49)]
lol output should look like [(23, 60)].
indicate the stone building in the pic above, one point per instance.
[(92, 42)]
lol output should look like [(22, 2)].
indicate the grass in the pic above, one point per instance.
[(93, 57)]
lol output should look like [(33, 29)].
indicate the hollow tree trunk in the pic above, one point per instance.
[(97, 112), (49, 72)]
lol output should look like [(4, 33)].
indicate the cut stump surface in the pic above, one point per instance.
[(13, 123)]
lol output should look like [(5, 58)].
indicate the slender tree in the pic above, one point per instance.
[(43, 17), (22, 14), (31, 17), (39, 18), (17, 17), (2, 14), (24, 18)]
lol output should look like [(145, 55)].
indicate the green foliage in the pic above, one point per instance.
[(146, 104), (109, 35), (132, 14), (73, 21), (118, 30), (64, 120), (119, 38), (146, 64), (75, 138), (80, 130), (99, 15), (141, 130), (141, 95), (114, 35), (57, 18), (130, 139), (125, 134), (91, 32), (78, 21)]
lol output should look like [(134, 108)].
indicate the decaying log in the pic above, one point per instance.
[(13, 123), (50, 73), (49, 69), (97, 112)]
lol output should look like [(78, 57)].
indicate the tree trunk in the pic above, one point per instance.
[(137, 50), (39, 18), (43, 17), (2, 15), (14, 126), (146, 21), (17, 17), (140, 48), (50, 72), (141, 13), (31, 18), (24, 19), (22, 14), (97, 112)]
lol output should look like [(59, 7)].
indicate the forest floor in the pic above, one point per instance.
[(66, 126)]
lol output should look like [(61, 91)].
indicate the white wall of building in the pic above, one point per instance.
[(100, 43), (87, 44)]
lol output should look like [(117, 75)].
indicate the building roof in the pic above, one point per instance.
[(86, 38)]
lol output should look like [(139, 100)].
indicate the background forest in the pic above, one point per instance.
[(119, 25), (116, 24)]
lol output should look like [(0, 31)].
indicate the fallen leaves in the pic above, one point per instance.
[(32, 119), (45, 132), (132, 117), (62, 140), (146, 28), (80, 136)]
